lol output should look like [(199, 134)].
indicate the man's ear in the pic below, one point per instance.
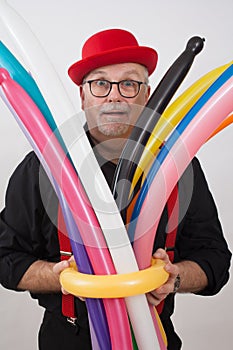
[(148, 93), (81, 93)]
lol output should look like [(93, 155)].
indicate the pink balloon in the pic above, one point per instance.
[(84, 215), (203, 124)]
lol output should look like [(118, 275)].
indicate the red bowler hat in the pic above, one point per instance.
[(111, 46)]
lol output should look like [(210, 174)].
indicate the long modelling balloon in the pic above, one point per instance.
[(211, 109), (172, 115), (17, 71), (60, 106), (66, 178), (147, 120), (94, 306)]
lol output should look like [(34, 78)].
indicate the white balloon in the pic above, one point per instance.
[(110, 220)]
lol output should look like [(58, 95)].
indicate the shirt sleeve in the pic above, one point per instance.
[(26, 232), (201, 237)]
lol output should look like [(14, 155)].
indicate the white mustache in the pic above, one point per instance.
[(114, 107)]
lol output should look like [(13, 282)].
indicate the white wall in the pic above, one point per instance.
[(62, 27)]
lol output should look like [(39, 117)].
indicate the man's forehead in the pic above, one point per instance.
[(120, 68)]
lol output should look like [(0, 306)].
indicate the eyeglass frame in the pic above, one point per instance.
[(116, 83)]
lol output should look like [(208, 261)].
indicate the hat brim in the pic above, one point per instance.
[(139, 54)]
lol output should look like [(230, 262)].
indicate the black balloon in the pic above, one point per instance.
[(146, 122)]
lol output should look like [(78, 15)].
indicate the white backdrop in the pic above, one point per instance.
[(62, 27)]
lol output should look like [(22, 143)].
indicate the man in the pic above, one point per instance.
[(113, 80)]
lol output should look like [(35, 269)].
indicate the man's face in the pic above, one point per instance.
[(113, 116)]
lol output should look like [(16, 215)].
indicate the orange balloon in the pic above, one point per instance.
[(223, 125)]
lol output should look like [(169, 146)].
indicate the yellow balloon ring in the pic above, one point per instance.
[(114, 286)]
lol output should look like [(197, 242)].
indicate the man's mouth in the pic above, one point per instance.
[(113, 120), (114, 113), (114, 116)]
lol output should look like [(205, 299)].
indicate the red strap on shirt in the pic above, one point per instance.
[(68, 308), (173, 221), (172, 226)]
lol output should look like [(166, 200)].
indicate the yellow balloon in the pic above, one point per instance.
[(162, 331), (114, 286), (171, 117)]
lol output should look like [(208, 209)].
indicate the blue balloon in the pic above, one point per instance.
[(19, 74)]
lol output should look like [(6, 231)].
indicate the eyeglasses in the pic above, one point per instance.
[(126, 88)]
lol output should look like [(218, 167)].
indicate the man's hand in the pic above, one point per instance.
[(157, 295), (59, 267), (192, 278)]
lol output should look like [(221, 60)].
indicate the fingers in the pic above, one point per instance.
[(59, 267), (62, 265), (172, 269), (159, 294), (155, 298), (161, 254)]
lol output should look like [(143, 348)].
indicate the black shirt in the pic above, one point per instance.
[(28, 232)]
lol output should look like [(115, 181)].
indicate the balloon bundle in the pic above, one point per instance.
[(112, 274)]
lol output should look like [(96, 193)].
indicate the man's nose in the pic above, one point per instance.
[(114, 95)]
